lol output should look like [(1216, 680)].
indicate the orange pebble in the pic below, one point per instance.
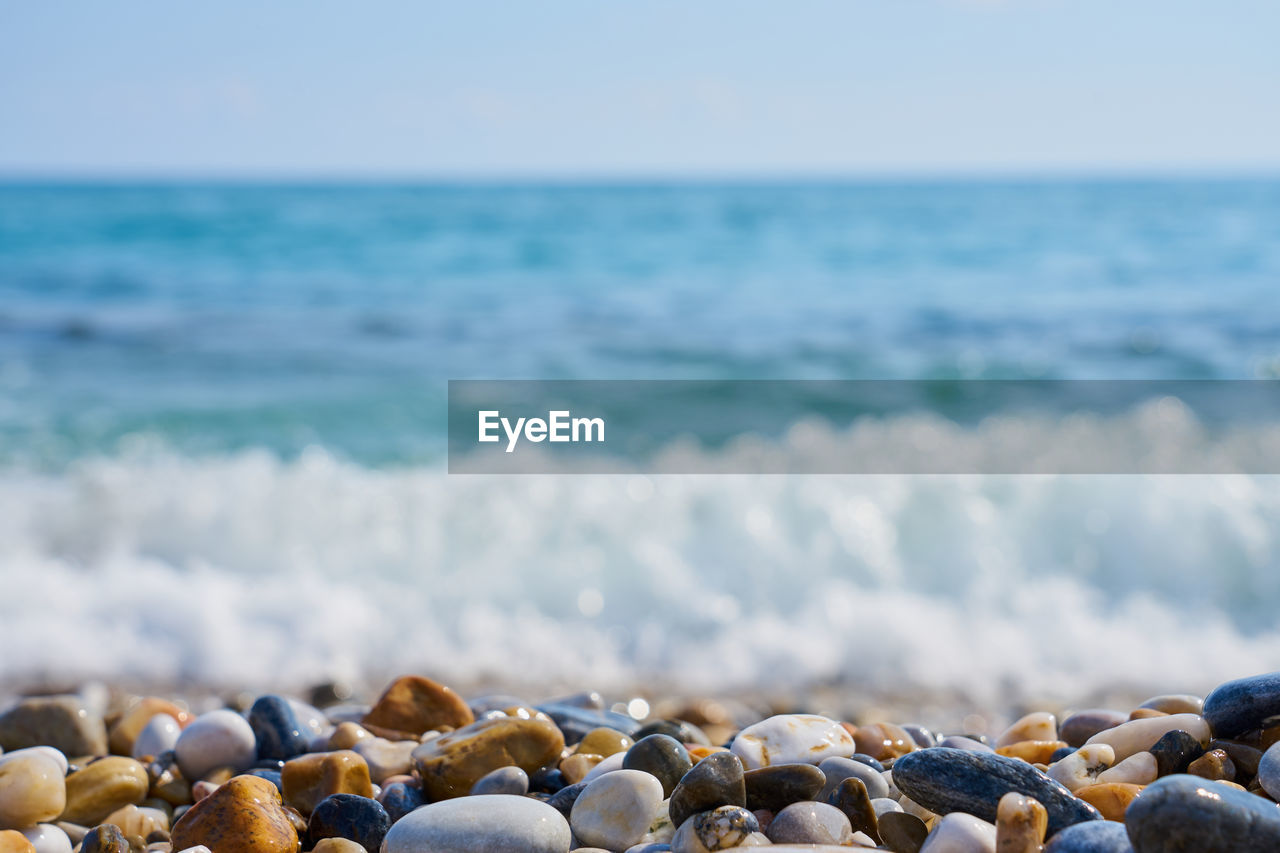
[(1110, 798)]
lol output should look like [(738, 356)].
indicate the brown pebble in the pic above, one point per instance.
[(1110, 798), (1032, 751), (1021, 824), (412, 705), (245, 815), (1146, 714), (12, 841), (100, 788), (604, 742), (883, 741), (577, 766), (1244, 757), (347, 735), (1175, 703), (106, 838), (851, 797), (1215, 765), (902, 832), (450, 764), (310, 778)]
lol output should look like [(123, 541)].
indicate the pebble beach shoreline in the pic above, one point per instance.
[(420, 769)]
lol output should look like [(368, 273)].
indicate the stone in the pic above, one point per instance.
[(1269, 771), (1215, 765), (136, 822), (1111, 799), (661, 756), (1175, 703), (337, 845), (103, 786), (836, 769), (1138, 769), (1175, 751), (220, 738), (721, 828), (902, 833), (412, 705), (717, 780), (1021, 824), (32, 789), (681, 730), (1100, 836), (12, 841), (158, 736), (810, 823), (1033, 751), (863, 758), (778, 786), (495, 823), (276, 728), (400, 798), (47, 838), (386, 758), (1077, 728), (603, 766), (1040, 726), (575, 723), (961, 833), (62, 722), (792, 739), (346, 735), (349, 816), (1246, 758), (952, 780), (1243, 705), (883, 741), (576, 767), (504, 780), (615, 811), (1142, 735), (122, 739), (961, 742), (604, 742), (308, 779), (450, 764), (852, 799), (105, 839), (922, 737), (563, 800), (1189, 813), (1082, 767), (245, 815)]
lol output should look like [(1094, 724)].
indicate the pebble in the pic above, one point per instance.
[(1138, 769), (605, 765), (661, 756), (1175, 703), (717, 780), (504, 780), (681, 730), (563, 800), (32, 789), (105, 839), (159, 735), (962, 742), (883, 741), (1111, 799), (450, 764), (950, 780), (1243, 705), (719, 829), (1269, 771), (1033, 751), (961, 833), (123, 733), (349, 816), (308, 779), (1100, 836), (137, 822), (245, 815), (604, 742), (1041, 726), (837, 769), (1175, 751), (922, 737), (852, 800), (576, 767), (616, 810), (901, 832), (1246, 758), (337, 845), (575, 723), (386, 758), (793, 739), (62, 722), (1215, 764), (217, 739), (1142, 735), (412, 705), (776, 787), (1082, 767), (12, 841), (496, 823), (47, 838), (1077, 728), (346, 735), (1021, 824), (400, 798), (810, 823), (276, 728), (1189, 813), (100, 788)]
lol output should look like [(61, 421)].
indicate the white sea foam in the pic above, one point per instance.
[(250, 570)]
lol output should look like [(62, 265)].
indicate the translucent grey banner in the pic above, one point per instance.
[(864, 427)]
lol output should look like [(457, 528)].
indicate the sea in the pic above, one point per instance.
[(223, 435)]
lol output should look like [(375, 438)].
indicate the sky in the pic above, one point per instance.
[(558, 88)]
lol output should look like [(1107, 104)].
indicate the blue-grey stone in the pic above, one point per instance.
[(349, 816), (563, 800), (922, 736), (1082, 725), (1243, 705), (678, 729), (873, 763), (1094, 836), (504, 780), (1184, 813), (837, 769), (1269, 771), (276, 728), (400, 798), (962, 742), (272, 776), (946, 780), (1060, 753), (576, 722)]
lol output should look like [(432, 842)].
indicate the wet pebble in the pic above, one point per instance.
[(1269, 771), (1021, 824), (1040, 725), (504, 780), (1243, 705), (412, 705), (450, 764), (386, 758), (276, 728), (349, 816), (901, 832), (616, 810), (159, 735), (1215, 764), (105, 839), (1142, 735), (809, 823), (32, 788), (1175, 751), (793, 739), (47, 838), (716, 780), (217, 739), (245, 815), (1077, 728), (661, 756), (12, 841), (778, 786), (495, 823), (1138, 769), (837, 769), (961, 833), (883, 741), (102, 787), (1189, 813), (851, 798), (400, 798), (308, 779), (719, 829), (62, 722), (1101, 836)]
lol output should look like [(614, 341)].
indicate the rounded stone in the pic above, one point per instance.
[(616, 810), (1099, 836), (901, 832), (810, 823), (276, 728), (308, 779), (1175, 703), (1175, 751), (400, 798), (792, 739), (504, 780), (1077, 728), (835, 770), (32, 789), (337, 845), (1189, 813), (102, 787), (137, 822), (62, 722), (1269, 771), (1141, 735), (12, 841), (122, 738), (450, 764), (604, 742), (349, 816), (774, 788), (1243, 705), (495, 823), (386, 758), (883, 741), (47, 838), (961, 833), (1111, 799), (158, 736), (220, 738), (412, 704), (1040, 725), (105, 839), (244, 815), (661, 756), (721, 828), (716, 780)]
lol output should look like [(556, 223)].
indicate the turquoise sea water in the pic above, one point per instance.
[(222, 415)]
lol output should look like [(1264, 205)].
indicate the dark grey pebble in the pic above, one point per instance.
[(922, 736), (1082, 725), (902, 832), (1060, 753), (851, 797), (105, 838), (272, 776), (563, 800), (400, 798), (1095, 836), (1243, 705), (837, 769), (715, 781), (947, 780), (548, 780), (576, 722), (863, 758), (1175, 751), (776, 787), (1185, 813), (349, 816), (677, 729), (662, 757), (276, 728)]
